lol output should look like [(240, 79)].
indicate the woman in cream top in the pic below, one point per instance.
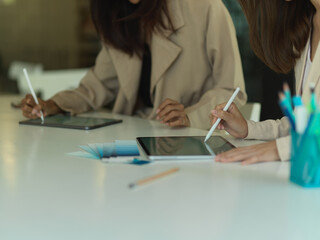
[(303, 24), (193, 63)]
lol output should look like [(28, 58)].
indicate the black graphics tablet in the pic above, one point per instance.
[(183, 148), (66, 121)]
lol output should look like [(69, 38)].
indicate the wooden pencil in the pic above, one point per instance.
[(152, 178)]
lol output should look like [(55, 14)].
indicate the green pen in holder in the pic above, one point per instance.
[(305, 159)]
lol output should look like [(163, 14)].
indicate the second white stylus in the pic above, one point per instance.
[(32, 92), (214, 126)]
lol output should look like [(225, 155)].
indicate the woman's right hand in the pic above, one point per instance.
[(232, 120), (32, 110)]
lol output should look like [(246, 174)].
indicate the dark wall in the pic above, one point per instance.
[(6, 86), (272, 84)]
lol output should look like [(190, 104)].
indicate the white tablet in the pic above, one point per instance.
[(182, 148)]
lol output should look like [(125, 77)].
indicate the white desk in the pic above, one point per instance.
[(46, 194)]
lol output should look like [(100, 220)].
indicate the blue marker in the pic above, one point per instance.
[(313, 101)]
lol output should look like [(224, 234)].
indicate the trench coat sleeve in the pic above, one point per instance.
[(284, 147), (270, 130), (223, 55), (97, 88)]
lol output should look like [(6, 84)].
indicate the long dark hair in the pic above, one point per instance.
[(125, 29), (279, 30)]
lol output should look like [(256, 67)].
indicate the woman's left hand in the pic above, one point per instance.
[(172, 113), (265, 152)]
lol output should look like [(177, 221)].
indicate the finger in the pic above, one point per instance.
[(25, 102), (38, 107), (214, 119), (26, 109), (251, 160), (166, 102), (173, 115), (29, 115), (31, 112), (211, 117), (238, 157), (233, 107), (220, 106), (29, 100), (37, 110), (235, 155), (221, 126), (169, 108), (234, 152)]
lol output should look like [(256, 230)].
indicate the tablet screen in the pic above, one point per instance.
[(184, 146), (66, 121)]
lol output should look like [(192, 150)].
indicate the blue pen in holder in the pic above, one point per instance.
[(305, 159)]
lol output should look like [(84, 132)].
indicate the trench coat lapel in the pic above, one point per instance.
[(164, 50), (313, 77), (300, 68), (164, 53)]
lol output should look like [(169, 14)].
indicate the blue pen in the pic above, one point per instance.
[(287, 110)]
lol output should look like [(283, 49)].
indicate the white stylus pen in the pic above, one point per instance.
[(214, 126), (32, 92)]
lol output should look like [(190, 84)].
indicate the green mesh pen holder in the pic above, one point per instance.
[(305, 159)]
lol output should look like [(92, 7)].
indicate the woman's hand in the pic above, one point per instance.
[(172, 114), (32, 110), (232, 120), (265, 152)]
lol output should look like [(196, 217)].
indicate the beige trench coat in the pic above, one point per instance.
[(199, 66), (272, 129)]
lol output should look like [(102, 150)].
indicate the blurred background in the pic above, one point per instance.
[(57, 43)]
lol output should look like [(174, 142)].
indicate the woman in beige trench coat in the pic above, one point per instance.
[(171, 60)]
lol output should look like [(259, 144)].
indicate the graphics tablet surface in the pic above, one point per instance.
[(65, 121), (183, 148)]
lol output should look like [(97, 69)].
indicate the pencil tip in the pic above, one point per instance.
[(131, 185)]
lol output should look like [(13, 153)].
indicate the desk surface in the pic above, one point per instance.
[(46, 194)]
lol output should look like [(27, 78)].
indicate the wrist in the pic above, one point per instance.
[(246, 132), (53, 107)]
